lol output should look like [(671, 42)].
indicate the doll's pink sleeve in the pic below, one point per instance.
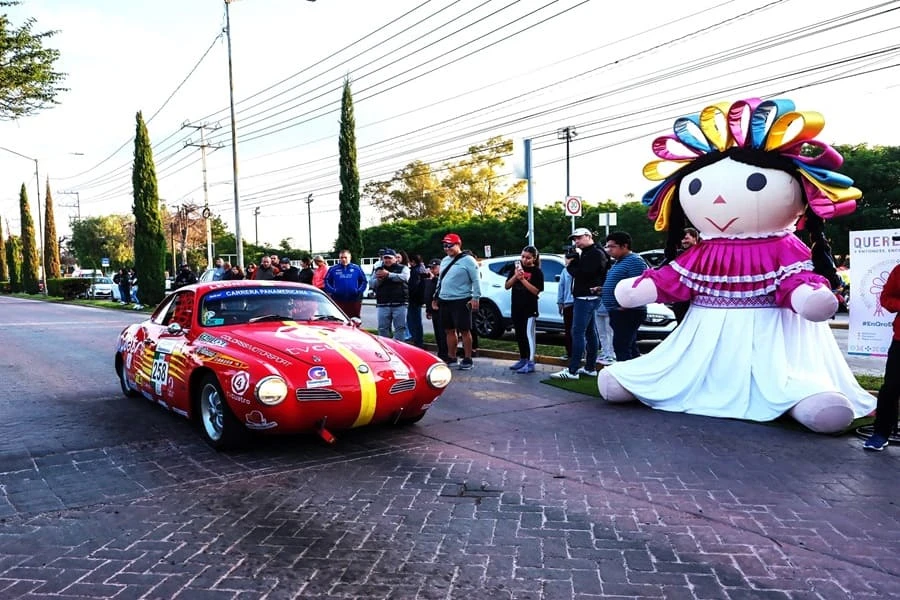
[(790, 283), (668, 284)]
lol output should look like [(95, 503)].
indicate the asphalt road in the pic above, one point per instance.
[(507, 489)]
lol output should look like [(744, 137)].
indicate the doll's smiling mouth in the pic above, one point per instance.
[(722, 229)]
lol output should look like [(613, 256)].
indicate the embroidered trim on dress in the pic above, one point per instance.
[(766, 301)]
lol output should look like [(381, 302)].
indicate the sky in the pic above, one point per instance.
[(430, 78)]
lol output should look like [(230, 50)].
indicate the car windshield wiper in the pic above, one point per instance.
[(326, 318), (268, 318)]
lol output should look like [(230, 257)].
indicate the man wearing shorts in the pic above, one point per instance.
[(457, 295)]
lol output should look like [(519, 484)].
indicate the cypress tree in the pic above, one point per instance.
[(149, 238), (51, 247), (348, 229), (4, 272), (14, 263), (30, 260)]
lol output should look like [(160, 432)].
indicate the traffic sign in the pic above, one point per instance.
[(104, 262), (573, 206)]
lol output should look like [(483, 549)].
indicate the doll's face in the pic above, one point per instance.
[(729, 198)]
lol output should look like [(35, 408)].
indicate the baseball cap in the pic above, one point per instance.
[(580, 232), (285, 259), (452, 238), (389, 252), (434, 262)]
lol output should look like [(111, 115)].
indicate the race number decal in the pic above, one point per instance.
[(159, 372)]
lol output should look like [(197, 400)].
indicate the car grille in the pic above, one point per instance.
[(403, 386), (317, 395)]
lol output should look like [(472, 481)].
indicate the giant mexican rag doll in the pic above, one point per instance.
[(754, 344)]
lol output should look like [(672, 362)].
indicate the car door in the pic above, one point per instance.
[(166, 352), (548, 311)]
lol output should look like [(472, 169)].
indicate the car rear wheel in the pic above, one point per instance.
[(218, 425), (488, 321), (123, 382)]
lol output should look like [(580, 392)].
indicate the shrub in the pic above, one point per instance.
[(68, 287)]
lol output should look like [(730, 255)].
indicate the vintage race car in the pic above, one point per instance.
[(273, 357)]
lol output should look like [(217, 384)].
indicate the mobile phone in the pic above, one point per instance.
[(518, 265)]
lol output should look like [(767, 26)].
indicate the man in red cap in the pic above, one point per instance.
[(457, 293)]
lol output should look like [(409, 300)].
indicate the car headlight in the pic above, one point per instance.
[(439, 375), (654, 319), (271, 390)]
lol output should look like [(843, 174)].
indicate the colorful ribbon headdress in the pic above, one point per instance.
[(760, 125)]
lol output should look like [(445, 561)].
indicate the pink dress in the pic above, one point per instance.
[(741, 351)]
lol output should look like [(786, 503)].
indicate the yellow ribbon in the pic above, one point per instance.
[(714, 125), (813, 124)]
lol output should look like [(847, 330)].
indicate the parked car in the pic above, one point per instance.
[(272, 357), (103, 287), (493, 317), (654, 258)]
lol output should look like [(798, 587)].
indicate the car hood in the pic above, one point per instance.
[(308, 343)]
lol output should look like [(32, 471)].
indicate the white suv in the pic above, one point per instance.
[(494, 317)]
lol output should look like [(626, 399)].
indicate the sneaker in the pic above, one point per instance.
[(605, 361), (876, 443), (583, 371), (528, 367), (564, 357), (564, 374), (450, 360), (466, 364), (518, 364)]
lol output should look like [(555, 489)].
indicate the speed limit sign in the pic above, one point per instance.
[(573, 206)]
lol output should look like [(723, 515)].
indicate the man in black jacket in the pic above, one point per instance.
[(587, 265), (185, 276), (286, 271)]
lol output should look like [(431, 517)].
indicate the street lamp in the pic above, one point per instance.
[(238, 242), (309, 200), (37, 179)]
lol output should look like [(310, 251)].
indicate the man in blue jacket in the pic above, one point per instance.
[(345, 282)]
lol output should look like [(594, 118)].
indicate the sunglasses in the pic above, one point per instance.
[(445, 245)]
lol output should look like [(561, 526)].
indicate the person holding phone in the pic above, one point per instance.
[(525, 283)]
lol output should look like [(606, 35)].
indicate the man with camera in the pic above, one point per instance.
[(588, 265), (390, 282)]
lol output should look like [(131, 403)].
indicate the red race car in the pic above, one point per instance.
[(273, 357)]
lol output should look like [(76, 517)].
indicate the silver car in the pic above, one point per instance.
[(103, 288)]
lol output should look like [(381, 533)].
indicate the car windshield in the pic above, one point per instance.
[(105, 280), (236, 306)]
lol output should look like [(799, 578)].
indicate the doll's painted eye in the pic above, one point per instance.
[(756, 182), (694, 186)]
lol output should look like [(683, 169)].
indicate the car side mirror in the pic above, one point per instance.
[(174, 329), (356, 322)]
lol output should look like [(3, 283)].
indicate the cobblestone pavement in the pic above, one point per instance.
[(508, 489)]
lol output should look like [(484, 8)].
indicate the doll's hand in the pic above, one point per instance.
[(630, 295), (813, 303)]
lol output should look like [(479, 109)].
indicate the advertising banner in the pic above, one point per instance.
[(872, 256)]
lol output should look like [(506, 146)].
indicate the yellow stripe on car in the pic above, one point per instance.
[(368, 396)]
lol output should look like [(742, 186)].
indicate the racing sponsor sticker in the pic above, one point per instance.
[(211, 340), (167, 346), (159, 372), (240, 382), (318, 377), (256, 420)]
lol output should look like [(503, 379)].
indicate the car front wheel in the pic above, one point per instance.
[(488, 321), (219, 427)]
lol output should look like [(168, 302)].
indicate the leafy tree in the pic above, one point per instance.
[(110, 236), (28, 81), (414, 192), (471, 187), (30, 260), (149, 237), (348, 227), (14, 262), (474, 184), (51, 247), (4, 271), (876, 171)]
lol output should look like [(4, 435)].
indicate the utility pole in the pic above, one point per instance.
[(309, 200), (567, 133), (206, 212), (77, 202), (256, 223)]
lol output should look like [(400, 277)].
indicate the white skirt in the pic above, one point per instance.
[(742, 363)]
